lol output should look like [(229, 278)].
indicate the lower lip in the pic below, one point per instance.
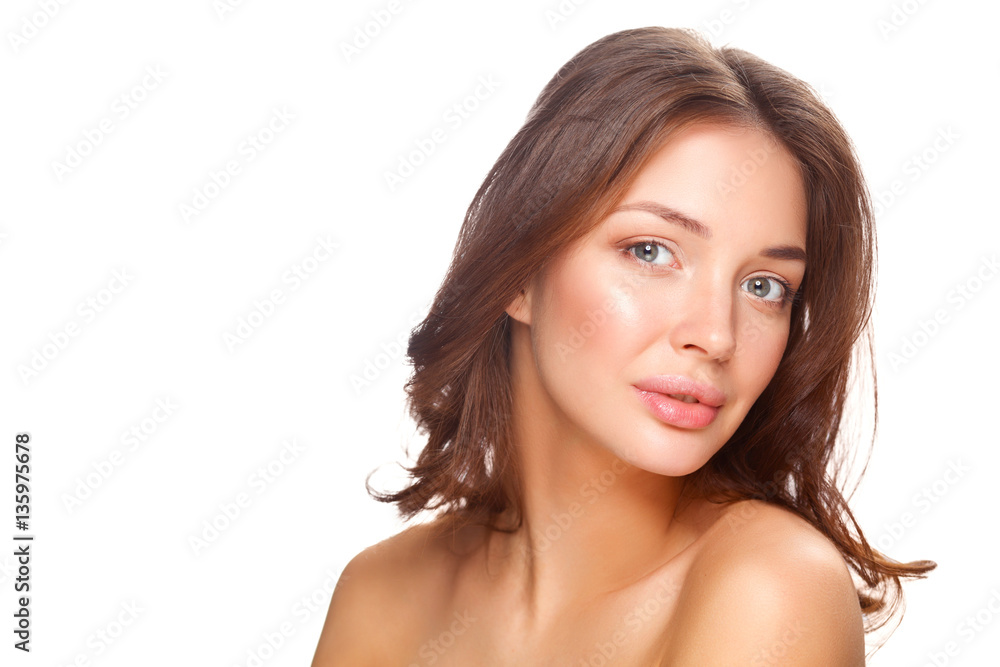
[(675, 412)]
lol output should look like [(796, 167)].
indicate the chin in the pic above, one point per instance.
[(675, 456), (675, 451), (678, 466)]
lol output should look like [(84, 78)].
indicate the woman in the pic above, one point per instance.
[(632, 381)]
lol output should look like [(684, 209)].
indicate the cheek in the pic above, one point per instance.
[(588, 324), (762, 345)]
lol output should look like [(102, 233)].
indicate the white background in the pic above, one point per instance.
[(190, 282)]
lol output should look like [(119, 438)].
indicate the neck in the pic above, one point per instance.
[(592, 523)]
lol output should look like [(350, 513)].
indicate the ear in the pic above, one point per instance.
[(520, 308)]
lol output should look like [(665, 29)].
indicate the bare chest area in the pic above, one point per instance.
[(627, 627)]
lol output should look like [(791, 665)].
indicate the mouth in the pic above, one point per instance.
[(684, 389), (680, 401), (681, 410)]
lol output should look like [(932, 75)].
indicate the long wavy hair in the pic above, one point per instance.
[(592, 129)]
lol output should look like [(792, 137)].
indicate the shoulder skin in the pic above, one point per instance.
[(381, 587), (768, 589)]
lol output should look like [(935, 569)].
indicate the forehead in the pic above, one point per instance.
[(727, 176)]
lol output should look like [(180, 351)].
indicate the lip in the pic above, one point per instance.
[(653, 392)]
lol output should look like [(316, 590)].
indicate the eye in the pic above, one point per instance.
[(769, 288), (652, 253)]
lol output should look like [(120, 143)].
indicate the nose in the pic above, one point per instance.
[(705, 323)]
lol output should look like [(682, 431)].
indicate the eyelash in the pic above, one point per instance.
[(787, 293)]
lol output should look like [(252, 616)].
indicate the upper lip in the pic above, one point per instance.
[(679, 384)]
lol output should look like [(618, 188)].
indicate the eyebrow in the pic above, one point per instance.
[(792, 252)]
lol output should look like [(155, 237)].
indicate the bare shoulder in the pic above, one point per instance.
[(767, 588), (391, 584)]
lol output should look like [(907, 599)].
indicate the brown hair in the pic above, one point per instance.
[(592, 129)]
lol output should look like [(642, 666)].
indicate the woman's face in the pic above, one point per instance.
[(681, 290)]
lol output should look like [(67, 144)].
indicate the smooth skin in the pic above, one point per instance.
[(615, 562)]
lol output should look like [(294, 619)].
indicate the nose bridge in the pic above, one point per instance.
[(706, 321)]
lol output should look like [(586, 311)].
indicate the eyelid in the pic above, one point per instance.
[(788, 292)]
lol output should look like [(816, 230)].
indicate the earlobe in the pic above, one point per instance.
[(520, 308)]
